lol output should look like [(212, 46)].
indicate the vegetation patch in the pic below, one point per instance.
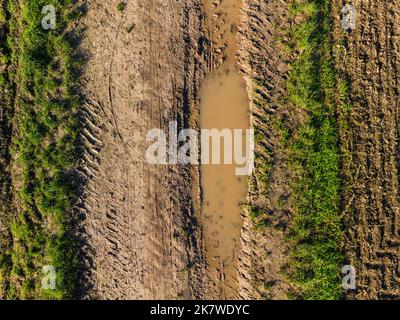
[(6, 110), (317, 231), (44, 151)]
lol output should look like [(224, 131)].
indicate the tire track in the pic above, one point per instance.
[(265, 59), (134, 82), (370, 143)]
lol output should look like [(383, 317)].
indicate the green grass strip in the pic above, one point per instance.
[(316, 237), (6, 110), (45, 150)]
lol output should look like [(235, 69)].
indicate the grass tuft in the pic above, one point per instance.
[(121, 6)]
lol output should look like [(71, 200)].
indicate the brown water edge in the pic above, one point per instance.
[(224, 104)]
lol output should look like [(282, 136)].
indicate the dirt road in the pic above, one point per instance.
[(144, 67), (148, 231)]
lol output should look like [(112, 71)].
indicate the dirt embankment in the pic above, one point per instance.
[(265, 59), (369, 58), (145, 64)]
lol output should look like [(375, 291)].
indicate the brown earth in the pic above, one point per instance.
[(144, 69), (265, 61), (369, 57)]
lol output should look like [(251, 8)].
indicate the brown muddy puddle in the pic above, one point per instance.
[(224, 104)]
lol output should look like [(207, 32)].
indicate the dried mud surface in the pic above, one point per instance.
[(369, 57), (144, 67)]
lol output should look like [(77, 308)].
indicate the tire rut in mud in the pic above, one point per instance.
[(136, 242), (265, 64)]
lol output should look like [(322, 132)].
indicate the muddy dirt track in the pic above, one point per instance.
[(368, 59), (141, 227), (135, 213)]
